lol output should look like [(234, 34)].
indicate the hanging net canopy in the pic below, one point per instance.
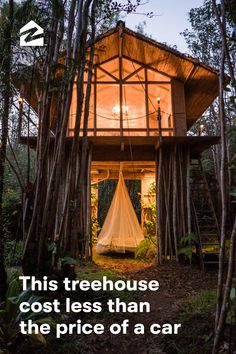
[(121, 231)]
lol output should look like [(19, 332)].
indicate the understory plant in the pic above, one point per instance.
[(185, 246), (149, 210), (11, 316), (13, 252), (146, 250)]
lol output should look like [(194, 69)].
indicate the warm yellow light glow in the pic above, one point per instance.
[(201, 129), (116, 110), (20, 100), (158, 100)]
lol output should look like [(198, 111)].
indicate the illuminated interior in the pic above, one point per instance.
[(124, 100)]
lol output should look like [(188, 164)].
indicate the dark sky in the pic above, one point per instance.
[(171, 19)]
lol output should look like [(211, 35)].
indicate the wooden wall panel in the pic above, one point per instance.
[(179, 110)]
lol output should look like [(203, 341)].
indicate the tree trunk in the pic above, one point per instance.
[(223, 293), (6, 96), (47, 224)]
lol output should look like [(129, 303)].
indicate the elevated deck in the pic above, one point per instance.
[(137, 148)]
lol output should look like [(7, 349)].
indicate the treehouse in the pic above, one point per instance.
[(145, 97)]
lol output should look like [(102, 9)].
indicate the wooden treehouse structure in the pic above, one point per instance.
[(145, 96)]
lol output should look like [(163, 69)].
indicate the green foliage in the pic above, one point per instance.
[(13, 252), (146, 250), (106, 18), (186, 245), (13, 273), (149, 227), (12, 191), (197, 319), (67, 260), (205, 301), (204, 42), (95, 229), (140, 28), (149, 209), (11, 210), (11, 316), (152, 188), (231, 316)]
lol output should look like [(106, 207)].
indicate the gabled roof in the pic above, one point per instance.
[(200, 80)]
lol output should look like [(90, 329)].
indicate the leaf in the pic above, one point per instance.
[(3, 315), (12, 307), (52, 247), (13, 288), (47, 320), (187, 251), (187, 238), (39, 337), (233, 294), (22, 296), (68, 260)]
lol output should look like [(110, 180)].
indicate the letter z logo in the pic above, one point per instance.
[(33, 37)]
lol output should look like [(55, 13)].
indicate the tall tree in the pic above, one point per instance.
[(223, 292), (214, 43), (60, 211), (5, 70)]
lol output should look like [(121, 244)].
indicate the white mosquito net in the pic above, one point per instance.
[(121, 230)]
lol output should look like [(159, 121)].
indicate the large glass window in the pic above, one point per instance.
[(134, 103), (106, 119), (140, 87), (163, 93)]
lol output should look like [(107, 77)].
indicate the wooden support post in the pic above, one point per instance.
[(188, 190), (120, 78), (146, 102), (159, 118), (95, 102), (88, 230), (158, 203), (175, 196)]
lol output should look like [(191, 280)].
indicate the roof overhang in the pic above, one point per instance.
[(200, 80)]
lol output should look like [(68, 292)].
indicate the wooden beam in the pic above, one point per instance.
[(106, 60), (107, 73), (129, 130), (191, 73), (95, 103), (120, 77), (133, 73), (131, 82), (139, 153), (127, 164), (146, 102), (127, 175), (149, 67)]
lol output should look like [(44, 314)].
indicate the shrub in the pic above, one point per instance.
[(146, 250), (13, 252)]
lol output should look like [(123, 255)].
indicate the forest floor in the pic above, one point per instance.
[(186, 296), (181, 287)]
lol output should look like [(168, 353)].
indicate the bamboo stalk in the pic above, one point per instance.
[(175, 204), (188, 190), (158, 201)]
